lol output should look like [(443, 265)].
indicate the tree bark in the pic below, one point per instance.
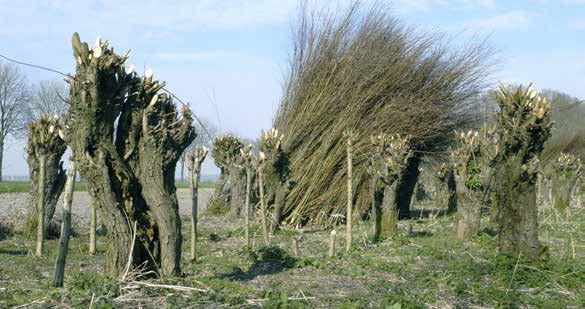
[(468, 211), (279, 202), (237, 178), (406, 184), (41, 207), (517, 212), (377, 198), (563, 187), (54, 183), (389, 215), (65, 225)]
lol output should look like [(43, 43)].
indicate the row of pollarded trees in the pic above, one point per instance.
[(268, 171)]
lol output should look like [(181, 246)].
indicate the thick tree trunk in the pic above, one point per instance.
[(237, 179), (158, 189), (405, 187), (279, 202), (92, 228), (468, 211), (54, 184), (451, 197), (41, 207), (377, 197), (65, 225), (563, 187), (389, 215), (517, 212)]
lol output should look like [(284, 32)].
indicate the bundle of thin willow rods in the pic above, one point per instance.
[(362, 70)]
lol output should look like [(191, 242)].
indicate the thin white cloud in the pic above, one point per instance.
[(506, 21)]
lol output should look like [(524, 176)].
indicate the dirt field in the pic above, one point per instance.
[(17, 202)]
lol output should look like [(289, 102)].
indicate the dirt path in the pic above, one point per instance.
[(16, 202)]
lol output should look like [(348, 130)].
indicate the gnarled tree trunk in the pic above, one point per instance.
[(52, 147), (127, 139)]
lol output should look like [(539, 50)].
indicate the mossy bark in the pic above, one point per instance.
[(390, 212), (376, 217), (517, 212)]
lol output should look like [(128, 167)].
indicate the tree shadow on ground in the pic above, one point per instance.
[(14, 252), (266, 261), (427, 213)]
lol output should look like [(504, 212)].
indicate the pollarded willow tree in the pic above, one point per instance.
[(46, 147), (362, 70), (391, 156), (567, 169), (466, 159), (224, 151), (127, 138), (276, 174), (523, 125)]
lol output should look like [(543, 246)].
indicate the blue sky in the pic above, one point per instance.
[(227, 57)]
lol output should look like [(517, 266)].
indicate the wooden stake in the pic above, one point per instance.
[(294, 248), (247, 210), (41, 207), (261, 158), (65, 225), (349, 215), (332, 244), (92, 228)]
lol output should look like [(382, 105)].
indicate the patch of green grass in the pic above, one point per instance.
[(24, 186)]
